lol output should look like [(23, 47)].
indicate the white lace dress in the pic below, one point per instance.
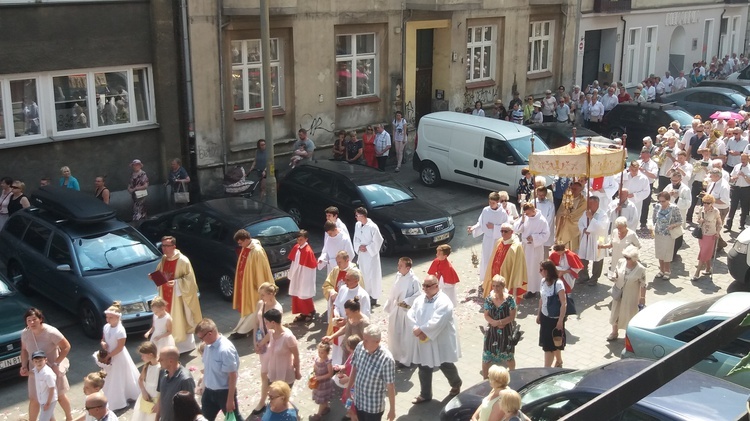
[(160, 328), (122, 375), (151, 382)]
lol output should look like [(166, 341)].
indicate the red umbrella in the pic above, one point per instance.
[(727, 115)]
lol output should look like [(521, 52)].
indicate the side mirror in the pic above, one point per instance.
[(158, 245), (735, 106), (356, 202), (510, 161), (63, 268)]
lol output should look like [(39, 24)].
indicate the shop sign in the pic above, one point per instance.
[(681, 18)]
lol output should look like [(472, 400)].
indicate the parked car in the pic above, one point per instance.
[(743, 74), (12, 307), (205, 234), (641, 120), (556, 135), (740, 86), (472, 150), (551, 393), (71, 249), (405, 221), (665, 326), (705, 100), (738, 259)]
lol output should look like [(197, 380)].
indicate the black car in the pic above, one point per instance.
[(561, 134), (551, 393), (641, 120), (404, 220), (205, 234), (741, 86), (71, 249), (705, 100)]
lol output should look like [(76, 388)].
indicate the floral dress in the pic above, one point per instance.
[(138, 179), (324, 392), (497, 348)]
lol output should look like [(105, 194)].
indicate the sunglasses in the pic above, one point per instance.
[(503, 201), (505, 231), (428, 285), (15, 187)]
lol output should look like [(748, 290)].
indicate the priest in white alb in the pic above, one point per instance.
[(367, 243), (533, 230), (405, 290), (546, 206), (334, 242), (302, 278), (488, 226), (593, 226)]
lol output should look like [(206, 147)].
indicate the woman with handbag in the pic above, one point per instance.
[(667, 228), (500, 314), (267, 292), (621, 238), (551, 325), (138, 189), (628, 292), (707, 232)]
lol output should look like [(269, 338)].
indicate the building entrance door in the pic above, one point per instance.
[(591, 51), (423, 88)]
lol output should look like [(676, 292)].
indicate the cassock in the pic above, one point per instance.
[(537, 228), (547, 208), (333, 282), (252, 270), (610, 186), (302, 279), (509, 261), (446, 276), (434, 317), (628, 210), (368, 235), (331, 247), (568, 260), (406, 289), (639, 187), (182, 299), (345, 294), (597, 232), (567, 223), (495, 217)]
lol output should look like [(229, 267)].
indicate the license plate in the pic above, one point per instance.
[(10, 363), (441, 237), (280, 275)]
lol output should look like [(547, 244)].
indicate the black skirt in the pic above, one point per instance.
[(547, 325)]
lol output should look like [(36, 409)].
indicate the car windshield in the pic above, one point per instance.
[(551, 385), (688, 310), (737, 97), (387, 193), (523, 146), (113, 250), (5, 289), (274, 231), (681, 116)]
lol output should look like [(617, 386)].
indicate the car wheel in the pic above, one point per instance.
[(226, 286), (389, 243), (91, 322), (429, 175), (615, 133), (19, 279), (295, 212)]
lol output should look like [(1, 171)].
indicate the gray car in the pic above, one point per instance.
[(81, 264)]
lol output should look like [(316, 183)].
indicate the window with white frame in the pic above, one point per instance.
[(247, 75), (72, 102), (540, 46), (649, 52), (480, 53), (356, 65), (735, 36), (633, 48)]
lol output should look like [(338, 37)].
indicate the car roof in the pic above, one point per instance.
[(507, 129), (72, 228), (652, 105), (677, 396), (240, 211), (358, 174), (738, 82), (564, 129), (730, 305), (717, 89)]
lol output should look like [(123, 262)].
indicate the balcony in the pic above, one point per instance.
[(443, 5), (612, 6)]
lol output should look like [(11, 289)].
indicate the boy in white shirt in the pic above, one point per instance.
[(46, 390)]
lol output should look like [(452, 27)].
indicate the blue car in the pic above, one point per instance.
[(12, 307)]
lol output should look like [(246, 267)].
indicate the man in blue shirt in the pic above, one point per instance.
[(220, 366)]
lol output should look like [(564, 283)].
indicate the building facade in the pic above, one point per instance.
[(90, 85), (344, 65), (627, 40)]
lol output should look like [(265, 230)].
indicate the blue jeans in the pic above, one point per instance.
[(214, 401)]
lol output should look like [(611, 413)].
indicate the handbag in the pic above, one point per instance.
[(181, 195), (140, 194), (698, 231), (514, 337), (616, 293), (554, 304), (676, 233)]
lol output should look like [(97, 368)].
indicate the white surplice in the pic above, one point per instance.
[(610, 186), (547, 207), (345, 294), (628, 210), (406, 289), (496, 217), (639, 187), (537, 228), (597, 232), (302, 278), (435, 319), (368, 235), (331, 247)]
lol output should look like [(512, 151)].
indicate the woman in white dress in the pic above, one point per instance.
[(122, 376), (631, 279), (621, 237), (267, 292), (161, 328), (148, 381)]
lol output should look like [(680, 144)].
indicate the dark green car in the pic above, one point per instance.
[(12, 307)]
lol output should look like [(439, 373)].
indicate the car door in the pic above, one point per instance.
[(186, 227), (347, 198), (213, 250), (33, 255), (311, 192), (722, 360), (66, 284), (698, 103), (498, 162), (465, 156), (634, 121)]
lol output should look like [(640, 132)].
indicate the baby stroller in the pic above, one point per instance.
[(236, 184)]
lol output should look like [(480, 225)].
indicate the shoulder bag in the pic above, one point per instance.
[(181, 195), (698, 231), (554, 304)]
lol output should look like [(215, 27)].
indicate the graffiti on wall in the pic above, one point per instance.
[(317, 124), (409, 114), (208, 150), (485, 95)]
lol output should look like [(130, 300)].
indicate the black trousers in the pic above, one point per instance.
[(596, 271), (644, 209), (677, 245), (739, 197), (663, 182), (369, 416), (382, 160), (425, 378), (695, 190)]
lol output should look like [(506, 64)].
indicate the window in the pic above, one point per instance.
[(356, 66), (36, 237), (247, 75), (75, 101), (16, 226), (497, 150), (540, 46), (59, 252), (708, 39), (480, 53), (649, 52), (633, 47), (734, 35)]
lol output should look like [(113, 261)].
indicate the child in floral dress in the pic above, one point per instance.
[(323, 371)]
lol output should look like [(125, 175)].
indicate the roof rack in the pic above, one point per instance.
[(71, 204)]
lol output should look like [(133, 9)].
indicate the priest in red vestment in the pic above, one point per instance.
[(509, 261), (302, 278)]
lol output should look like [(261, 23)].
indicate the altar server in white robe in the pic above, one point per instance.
[(335, 241), (637, 184), (332, 214), (405, 290), (367, 242), (593, 226), (624, 207), (546, 206), (488, 225), (533, 230), (434, 328)]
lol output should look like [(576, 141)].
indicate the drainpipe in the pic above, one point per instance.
[(564, 12), (186, 63), (577, 40), (622, 45), (222, 107), (403, 57), (718, 50)]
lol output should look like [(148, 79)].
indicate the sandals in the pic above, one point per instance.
[(419, 399), (303, 318), (454, 391), (695, 279), (612, 337), (659, 275), (559, 364)]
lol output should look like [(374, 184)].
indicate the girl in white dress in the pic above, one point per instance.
[(161, 327), (148, 381), (92, 383), (122, 383)]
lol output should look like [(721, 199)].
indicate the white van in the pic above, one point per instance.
[(478, 151)]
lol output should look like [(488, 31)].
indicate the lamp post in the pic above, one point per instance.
[(265, 50)]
